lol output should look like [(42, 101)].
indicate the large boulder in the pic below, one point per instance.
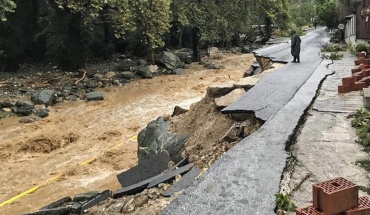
[(126, 65), (185, 57), (156, 138), (23, 108), (127, 75), (170, 60), (94, 96), (144, 72), (45, 97)]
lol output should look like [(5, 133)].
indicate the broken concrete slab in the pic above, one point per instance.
[(54, 211), (57, 203), (183, 162), (219, 89), (246, 83), (144, 170), (170, 175), (183, 183), (100, 198), (366, 95), (132, 189), (138, 187), (85, 196), (229, 98)]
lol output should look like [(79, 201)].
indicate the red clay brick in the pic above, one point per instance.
[(308, 211), (359, 61), (365, 72), (361, 54), (363, 66), (366, 80), (359, 85), (348, 80), (355, 70), (357, 76), (344, 89), (363, 207), (335, 196), (366, 62)]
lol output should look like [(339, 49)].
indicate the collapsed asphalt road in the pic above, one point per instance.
[(246, 178)]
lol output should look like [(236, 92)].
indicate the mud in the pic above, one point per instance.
[(101, 132)]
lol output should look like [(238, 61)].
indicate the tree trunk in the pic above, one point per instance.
[(196, 38), (268, 30)]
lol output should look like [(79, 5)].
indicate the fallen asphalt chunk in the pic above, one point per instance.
[(181, 163), (183, 183), (101, 197), (138, 187), (170, 175), (57, 203), (54, 211), (144, 170)]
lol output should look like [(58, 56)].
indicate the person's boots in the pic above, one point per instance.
[(298, 60), (294, 60)]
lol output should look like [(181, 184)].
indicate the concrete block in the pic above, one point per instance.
[(169, 175), (57, 203), (144, 170), (335, 196), (363, 207), (366, 96), (100, 198), (183, 183)]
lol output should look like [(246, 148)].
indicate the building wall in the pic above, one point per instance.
[(362, 32)]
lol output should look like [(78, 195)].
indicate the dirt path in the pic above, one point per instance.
[(76, 132)]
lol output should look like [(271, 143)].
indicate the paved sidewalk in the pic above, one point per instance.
[(326, 145)]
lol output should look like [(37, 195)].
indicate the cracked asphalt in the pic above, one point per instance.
[(245, 180)]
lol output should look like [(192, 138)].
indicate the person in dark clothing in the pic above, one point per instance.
[(296, 46)]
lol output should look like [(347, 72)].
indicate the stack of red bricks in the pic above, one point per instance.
[(336, 197), (360, 75)]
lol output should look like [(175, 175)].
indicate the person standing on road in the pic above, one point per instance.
[(296, 46)]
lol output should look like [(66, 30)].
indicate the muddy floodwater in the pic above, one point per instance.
[(82, 145)]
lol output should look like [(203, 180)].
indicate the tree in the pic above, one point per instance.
[(6, 6), (328, 14), (152, 18)]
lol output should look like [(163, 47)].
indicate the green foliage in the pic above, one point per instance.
[(6, 6), (328, 13), (364, 189), (364, 164), (361, 123), (332, 56), (334, 48), (362, 47), (284, 203)]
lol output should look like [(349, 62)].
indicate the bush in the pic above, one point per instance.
[(362, 47)]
